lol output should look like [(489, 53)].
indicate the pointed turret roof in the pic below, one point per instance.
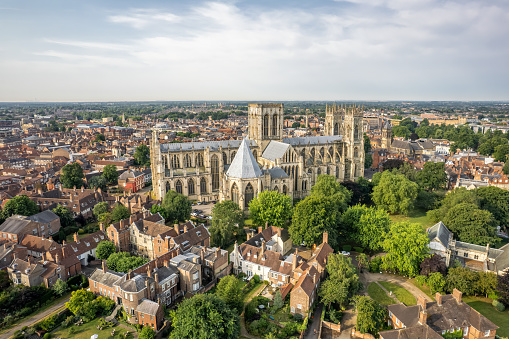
[(244, 165)]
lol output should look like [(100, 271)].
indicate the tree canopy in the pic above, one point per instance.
[(110, 173), (342, 282), (328, 186), (406, 246), (104, 250), (395, 193), (432, 176), (271, 207), (65, 215), (367, 225), (370, 315), (119, 212), (205, 316), (21, 205), (72, 175), (230, 292), (176, 206), (98, 181), (227, 218), (123, 262), (312, 217), (100, 208), (142, 155)]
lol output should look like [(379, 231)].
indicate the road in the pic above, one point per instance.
[(367, 277), (314, 327), (32, 320)]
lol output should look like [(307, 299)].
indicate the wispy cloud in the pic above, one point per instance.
[(141, 18)]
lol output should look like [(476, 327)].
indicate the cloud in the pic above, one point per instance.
[(141, 18)]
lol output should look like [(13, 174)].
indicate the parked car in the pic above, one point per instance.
[(345, 253)]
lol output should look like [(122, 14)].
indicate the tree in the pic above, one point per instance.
[(230, 292), (436, 282), (462, 279), (453, 198), (110, 173), (368, 160), (312, 217), (147, 333), (391, 164), (72, 175), (100, 208), (98, 182), (142, 155), (271, 207), (367, 225), (496, 201), (433, 176), (205, 316), (342, 282), (471, 225), (104, 250), (406, 246), (99, 138), (60, 287), (21, 205), (296, 125), (506, 167), (227, 217), (486, 283), (123, 262), (78, 301), (433, 264), (328, 186), (501, 152), (65, 215), (395, 193), (370, 315), (367, 144), (361, 191), (278, 300), (503, 287), (177, 206), (119, 212)]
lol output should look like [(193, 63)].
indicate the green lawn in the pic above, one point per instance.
[(400, 292), (252, 291), (483, 306), (85, 331), (418, 217), (378, 294)]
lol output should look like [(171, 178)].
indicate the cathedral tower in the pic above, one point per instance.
[(386, 136), (265, 123), (353, 142), (156, 166), (333, 119)]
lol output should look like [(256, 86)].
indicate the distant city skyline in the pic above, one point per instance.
[(358, 50)]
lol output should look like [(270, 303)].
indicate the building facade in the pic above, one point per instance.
[(239, 169)]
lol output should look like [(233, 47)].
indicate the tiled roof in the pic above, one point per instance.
[(39, 244), (414, 332), (108, 279)]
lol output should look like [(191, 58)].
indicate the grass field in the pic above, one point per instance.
[(483, 306), (85, 331), (378, 294), (418, 217), (400, 292), (423, 288)]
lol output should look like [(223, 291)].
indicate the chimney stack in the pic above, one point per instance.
[(266, 224), (63, 242), (294, 261), (149, 271), (279, 232), (248, 235), (185, 228), (105, 268), (421, 301), (176, 227), (202, 255), (218, 252), (130, 274), (43, 256), (314, 278), (57, 259), (101, 227), (260, 229), (166, 263), (325, 237), (76, 238), (148, 289), (263, 247), (438, 298), (63, 252), (423, 317), (457, 294)]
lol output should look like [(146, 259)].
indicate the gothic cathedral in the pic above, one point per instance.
[(238, 169)]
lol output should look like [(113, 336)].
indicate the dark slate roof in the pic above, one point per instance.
[(109, 278), (44, 217), (165, 272), (315, 140), (14, 224), (277, 172), (244, 164), (414, 332), (201, 145), (408, 315), (492, 252), (440, 232), (148, 307), (135, 284)]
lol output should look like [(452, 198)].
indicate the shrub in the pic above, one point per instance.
[(374, 265), (68, 321), (47, 336), (72, 330), (498, 305), (49, 323), (358, 249), (256, 279), (420, 279), (297, 317), (347, 248)]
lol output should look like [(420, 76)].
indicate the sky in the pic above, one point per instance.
[(121, 50)]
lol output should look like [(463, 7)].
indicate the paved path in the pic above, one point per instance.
[(367, 277), (32, 320), (243, 330), (315, 323)]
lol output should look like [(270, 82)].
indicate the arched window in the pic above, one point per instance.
[(178, 186), (232, 156), (274, 125), (266, 125), (214, 169), (190, 187), (203, 185), (356, 132), (168, 186), (285, 190), (303, 154), (312, 155), (328, 170), (304, 185), (225, 158), (322, 153), (199, 160), (336, 129), (318, 171), (235, 193), (249, 195), (331, 154), (175, 161), (276, 189), (355, 152), (187, 160)]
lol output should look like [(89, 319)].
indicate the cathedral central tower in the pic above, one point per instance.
[(265, 123)]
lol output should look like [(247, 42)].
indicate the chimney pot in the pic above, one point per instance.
[(325, 237), (438, 298), (457, 294), (176, 227), (266, 224), (104, 266), (260, 229)]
